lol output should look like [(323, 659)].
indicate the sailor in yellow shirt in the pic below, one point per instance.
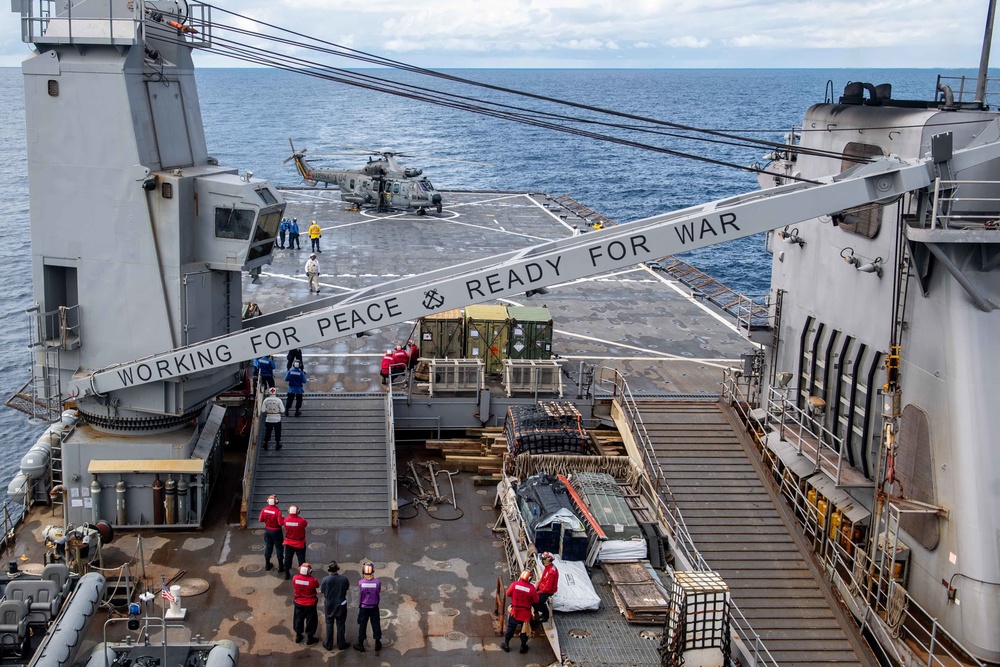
[(315, 232)]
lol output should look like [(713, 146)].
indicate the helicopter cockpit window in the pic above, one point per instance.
[(352, 184), (266, 196), (233, 223), (395, 189)]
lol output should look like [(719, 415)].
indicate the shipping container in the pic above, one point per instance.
[(442, 335), (530, 333), (486, 336)]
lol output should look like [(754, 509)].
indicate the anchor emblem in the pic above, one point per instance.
[(432, 299)]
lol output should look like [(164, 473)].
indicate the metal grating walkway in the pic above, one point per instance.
[(333, 463), (742, 535)]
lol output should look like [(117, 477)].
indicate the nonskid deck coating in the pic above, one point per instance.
[(636, 321)]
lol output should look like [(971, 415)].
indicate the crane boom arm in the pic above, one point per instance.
[(540, 266)]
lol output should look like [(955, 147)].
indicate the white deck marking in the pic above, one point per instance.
[(550, 213)]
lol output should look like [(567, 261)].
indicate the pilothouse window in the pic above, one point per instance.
[(233, 223), (266, 196)]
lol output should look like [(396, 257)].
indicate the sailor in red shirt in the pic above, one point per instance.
[(305, 619), (400, 360), (523, 595), (547, 586), (414, 352), (295, 538), (386, 366), (273, 520)]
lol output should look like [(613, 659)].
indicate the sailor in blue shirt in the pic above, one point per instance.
[(265, 368), (282, 230), (296, 379)]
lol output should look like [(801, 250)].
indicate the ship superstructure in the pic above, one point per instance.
[(885, 340)]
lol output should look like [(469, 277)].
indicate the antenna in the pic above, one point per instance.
[(984, 59)]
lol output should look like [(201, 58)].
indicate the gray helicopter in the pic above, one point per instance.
[(382, 184)]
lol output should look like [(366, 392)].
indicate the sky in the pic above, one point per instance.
[(618, 33)]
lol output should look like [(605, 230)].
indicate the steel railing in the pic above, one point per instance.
[(977, 212), (390, 445), (250, 467), (875, 596), (670, 516)]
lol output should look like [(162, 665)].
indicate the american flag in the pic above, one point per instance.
[(167, 595)]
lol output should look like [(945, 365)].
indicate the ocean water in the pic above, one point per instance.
[(250, 114)]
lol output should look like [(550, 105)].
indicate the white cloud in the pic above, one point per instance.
[(643, 33), (688, 42)]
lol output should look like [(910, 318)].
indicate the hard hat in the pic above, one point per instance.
[(368, 569), (314, 222), (409, 342), (305, 568), (526, 575), (547, 555), (312, 256), (296, 364), (295, 219), (293, 509), (333, 567), (388, 351), (399, 346), (272, 499), (272, 390)]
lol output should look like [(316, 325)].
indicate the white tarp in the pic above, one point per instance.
[(563, 516), (623, 550), (576, 592)]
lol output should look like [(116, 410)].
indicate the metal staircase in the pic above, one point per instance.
[(337, 463)]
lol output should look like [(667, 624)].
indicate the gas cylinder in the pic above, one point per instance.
[(835, 520), (821, 510), (811, 497), (182, 500), (95, 499), (121, 516), (158, 507), (170, 502)]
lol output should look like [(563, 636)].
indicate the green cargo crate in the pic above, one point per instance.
[(486, 336), (530, 333), (442, 335)]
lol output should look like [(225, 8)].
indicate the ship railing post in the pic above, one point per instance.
[(930, 651), (934, 203), (756, 648)]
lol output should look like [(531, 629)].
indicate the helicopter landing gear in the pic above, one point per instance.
[(440, 209), (421, 211)]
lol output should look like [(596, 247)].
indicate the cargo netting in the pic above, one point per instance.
[(546, 428)]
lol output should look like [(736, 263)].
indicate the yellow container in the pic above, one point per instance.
[(821, 511), (811, 497)]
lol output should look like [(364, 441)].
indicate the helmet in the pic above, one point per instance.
[(368, 568), (333, 567), (314, 222), (296, 364), (272, 499), (305, 568), (388, 351), (272, 390), (293, 510), (312, 256), (409, 342), (398, 346), (547, 556), (295, 219), (526, 575)]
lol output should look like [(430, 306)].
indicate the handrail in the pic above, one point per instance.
[(390, 444), (674, 520), (840, 563), (945, 196), (250, 468)]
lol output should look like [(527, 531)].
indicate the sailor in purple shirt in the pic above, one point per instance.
[(369, 590)]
